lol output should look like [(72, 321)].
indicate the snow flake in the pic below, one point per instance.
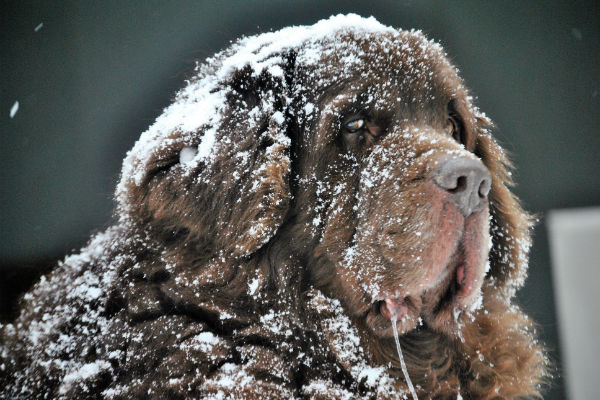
[(14, 109)]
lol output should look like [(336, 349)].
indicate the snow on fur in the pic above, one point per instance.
[(73, 343)]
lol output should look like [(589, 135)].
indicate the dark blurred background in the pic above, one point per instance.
[(90, 76)]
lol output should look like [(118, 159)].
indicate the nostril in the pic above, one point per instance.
[(484, 188), (461, 184)]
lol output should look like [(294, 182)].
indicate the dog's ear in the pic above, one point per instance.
[(510, 225), (212, 172)]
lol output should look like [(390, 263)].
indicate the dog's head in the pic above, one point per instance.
[(357, 145)]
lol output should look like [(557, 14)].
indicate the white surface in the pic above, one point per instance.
[(575, 250)]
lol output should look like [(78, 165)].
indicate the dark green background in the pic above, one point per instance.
[(98, 73)]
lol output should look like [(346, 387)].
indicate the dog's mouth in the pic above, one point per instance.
[(436, 305), (452, 284)]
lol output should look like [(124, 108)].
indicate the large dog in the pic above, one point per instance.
[(305, 189)]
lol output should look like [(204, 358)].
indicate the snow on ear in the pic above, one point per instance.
[(267, 196), (510, 225), (213, 169), (187, 154)]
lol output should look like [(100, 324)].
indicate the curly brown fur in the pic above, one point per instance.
[(260, 250)]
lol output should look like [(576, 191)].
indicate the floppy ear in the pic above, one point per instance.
[(510, 225), (212, 173)]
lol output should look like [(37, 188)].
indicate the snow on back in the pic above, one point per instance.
[(199, 107), (86, 371), (64, 322)]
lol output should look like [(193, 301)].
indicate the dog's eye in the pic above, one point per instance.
[(450, 127), (355, 125), (453, 129)]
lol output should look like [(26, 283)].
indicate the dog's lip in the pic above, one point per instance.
[(454, 283), (394, 308)]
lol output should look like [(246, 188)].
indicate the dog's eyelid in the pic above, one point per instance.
[(452, 112), (354, 113)]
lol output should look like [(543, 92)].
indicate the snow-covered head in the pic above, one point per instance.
[(349, 147)]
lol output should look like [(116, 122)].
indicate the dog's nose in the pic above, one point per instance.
[(467, 181)]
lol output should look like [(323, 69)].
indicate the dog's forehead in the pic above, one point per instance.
[(400, 65)]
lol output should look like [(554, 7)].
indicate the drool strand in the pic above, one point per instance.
[(402, 363)]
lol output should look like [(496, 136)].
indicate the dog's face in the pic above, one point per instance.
[(359, 154), (399, 200)]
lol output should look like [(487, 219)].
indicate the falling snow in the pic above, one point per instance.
[(14, 109)]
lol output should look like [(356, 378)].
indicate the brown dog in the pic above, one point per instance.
[(304, 189)]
